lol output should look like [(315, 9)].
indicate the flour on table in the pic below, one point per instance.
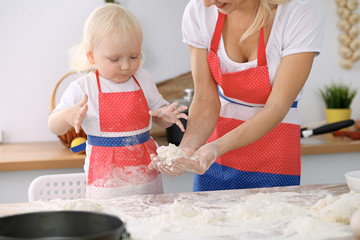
[(337, 209), (168, 153), (276, 215), (79, 205), (355, 223)]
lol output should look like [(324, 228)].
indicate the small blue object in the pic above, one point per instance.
[(79, 148)]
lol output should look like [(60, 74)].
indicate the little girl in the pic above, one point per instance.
[(112, 105)]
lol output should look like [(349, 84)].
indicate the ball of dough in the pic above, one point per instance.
[(356, 56), (346, 63), (354, 18), (354, 44), (355, 223), (344, 25), (354, 32), (345, 52), (341, 3), (344, 39), (343, 12), (352, 4)]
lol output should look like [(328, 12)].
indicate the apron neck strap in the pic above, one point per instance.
[(97, 79), (217, 36), (217, 33), (261, 49)]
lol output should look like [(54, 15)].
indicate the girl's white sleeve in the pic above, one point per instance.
[(71, 96)]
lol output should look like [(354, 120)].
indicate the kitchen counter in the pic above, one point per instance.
[(53, 155), (38, 155), (298, 212)]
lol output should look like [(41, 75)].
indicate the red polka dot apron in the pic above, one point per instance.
[(120, 156), (273, 160)]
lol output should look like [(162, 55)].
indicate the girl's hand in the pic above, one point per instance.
[(200, 161), (171, 113), (77, 113)]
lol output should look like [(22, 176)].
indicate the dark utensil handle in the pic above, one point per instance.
[(331, 127)]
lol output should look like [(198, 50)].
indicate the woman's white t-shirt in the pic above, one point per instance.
[(88, 84), (298, 27)]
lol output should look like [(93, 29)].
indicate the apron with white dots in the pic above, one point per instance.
[(119, 157), (273, 160)]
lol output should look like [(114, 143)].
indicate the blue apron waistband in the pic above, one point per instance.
[(113, 141), (294, 105)]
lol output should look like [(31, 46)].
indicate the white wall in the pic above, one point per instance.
[(36, 35)]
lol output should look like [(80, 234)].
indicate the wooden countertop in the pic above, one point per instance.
[(328, 144), (232, 214), (38, 155), (53, 155)]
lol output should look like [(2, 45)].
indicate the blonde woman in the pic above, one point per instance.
[(112, 104), (250, 60)]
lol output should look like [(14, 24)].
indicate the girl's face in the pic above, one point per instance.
[(117, 59)]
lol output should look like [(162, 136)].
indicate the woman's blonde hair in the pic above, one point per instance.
[(109, 18), (262, 16)]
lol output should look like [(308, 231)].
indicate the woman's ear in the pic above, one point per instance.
[(90, 57)]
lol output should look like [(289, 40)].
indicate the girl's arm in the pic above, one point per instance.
[(61, 121), (166, 116)]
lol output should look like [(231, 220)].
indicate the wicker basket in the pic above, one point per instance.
[(66, 138)]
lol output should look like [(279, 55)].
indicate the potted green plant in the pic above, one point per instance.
[(338, 98)]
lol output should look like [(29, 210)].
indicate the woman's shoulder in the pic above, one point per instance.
[(295, 13), (300, 6), (196, 8), (198, 24)]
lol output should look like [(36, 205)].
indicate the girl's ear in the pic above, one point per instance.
[(90, 57)]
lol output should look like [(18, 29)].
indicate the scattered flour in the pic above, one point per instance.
[(276, 215), (338, 209), (168, 153), (80, 205), (355, 223)]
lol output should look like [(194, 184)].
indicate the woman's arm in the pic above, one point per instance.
[(290, 78), (205, 107)]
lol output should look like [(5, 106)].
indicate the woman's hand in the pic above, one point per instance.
[(77, 113), (162, 167), (200, 161), (171, 113)]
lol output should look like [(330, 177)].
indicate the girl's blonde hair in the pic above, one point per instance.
[(110, 18), (262, 16)]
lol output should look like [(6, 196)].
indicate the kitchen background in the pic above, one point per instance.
[(36, 36), (35, 39)]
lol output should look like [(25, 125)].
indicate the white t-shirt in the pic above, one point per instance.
[(298, 27), (88, 84)]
